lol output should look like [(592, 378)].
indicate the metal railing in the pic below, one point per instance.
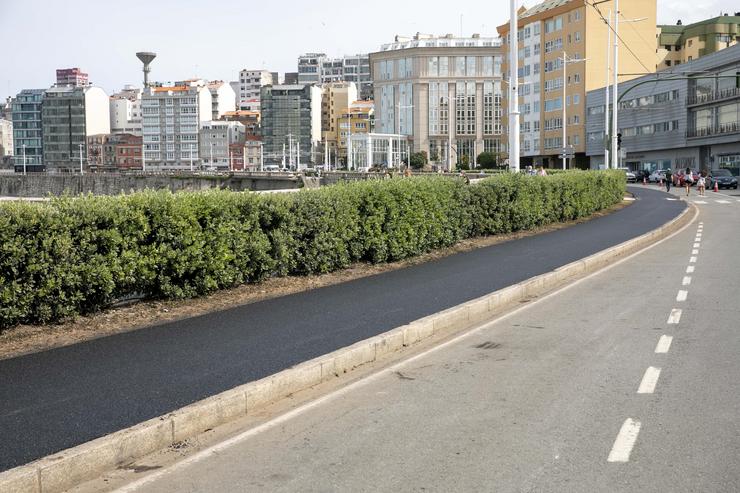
[(731, 92), (723, 129)]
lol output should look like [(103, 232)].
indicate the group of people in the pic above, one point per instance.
[(540, 171), (686, 180)]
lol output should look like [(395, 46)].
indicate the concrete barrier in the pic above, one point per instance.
[(71, 467)]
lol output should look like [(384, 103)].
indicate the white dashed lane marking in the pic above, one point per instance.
[(690, 269), (686, 281), (682, 296), (697, 245), (649, 381), (625, 441), (692, 260), (723, 201), (675, 316), (664, 345)]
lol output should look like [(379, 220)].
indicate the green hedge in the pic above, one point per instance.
[(78, 255)]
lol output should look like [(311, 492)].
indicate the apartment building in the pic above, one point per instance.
[(675, 123), (217, 140), (291, 124), (551, 30), (68, 116), (125, 111), (683, 43), (336, 98), (223, 98), (6, 138), (172, 116), (124, 152), (97, 159), (317, 68), (442, 94), (72, 77), (357, 119), (251, 83), (28, 129), (250, 120)]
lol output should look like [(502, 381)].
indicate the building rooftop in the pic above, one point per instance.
[(447, 41), (544, 7), (170, 88)]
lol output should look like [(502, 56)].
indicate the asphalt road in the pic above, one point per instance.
[(64, 397), (624, 382)]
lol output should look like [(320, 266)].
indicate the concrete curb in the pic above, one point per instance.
[(76, 465)]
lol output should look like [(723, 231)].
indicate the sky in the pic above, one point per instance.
[(214, 40)]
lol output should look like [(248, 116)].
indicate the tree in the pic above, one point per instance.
[(488, 160), (419, 160), (464, 162)]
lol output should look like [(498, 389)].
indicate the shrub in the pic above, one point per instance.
[(78, 255)]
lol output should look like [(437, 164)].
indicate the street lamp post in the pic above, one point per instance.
[(23, 146), (607, 165), (81, 171), (514, 129), (401, 107), (566, 61), (615, 92)]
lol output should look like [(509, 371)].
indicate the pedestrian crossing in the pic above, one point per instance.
[(705, 200)]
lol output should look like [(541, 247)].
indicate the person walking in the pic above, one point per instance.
[(688, 180), (701, 184), (668, 180)]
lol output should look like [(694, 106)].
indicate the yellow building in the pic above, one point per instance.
[(551, 29), (359, 118), (683, 43), (336, 98)]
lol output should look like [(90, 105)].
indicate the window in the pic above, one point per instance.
[(432, 66), (470, 66), (576, 99), (577, 15), (444, 66), (537, 29), (460, 65), (553, 104), (536, 49), (488, 66), (578, 36)]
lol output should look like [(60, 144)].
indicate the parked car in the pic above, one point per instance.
[(723, 177), (657, 176), (641, 175), (631, 178)]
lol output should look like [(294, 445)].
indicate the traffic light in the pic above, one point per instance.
[(619, 141)]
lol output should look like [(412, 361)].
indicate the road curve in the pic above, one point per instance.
[(60, 398)]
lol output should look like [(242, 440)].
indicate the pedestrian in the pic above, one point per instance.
[(701, 184), (688, 180), (668, 180), (541, 171)]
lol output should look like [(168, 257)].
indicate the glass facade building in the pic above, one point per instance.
[(27, 128)]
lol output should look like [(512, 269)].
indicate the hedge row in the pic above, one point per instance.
[(79, 255)]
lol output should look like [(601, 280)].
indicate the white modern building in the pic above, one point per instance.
[(251, 83), (215, 139), (125, 111), (223, 98), (68, 116), (172, 116)]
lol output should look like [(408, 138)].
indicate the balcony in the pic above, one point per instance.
[(729, 93), (716, 130)]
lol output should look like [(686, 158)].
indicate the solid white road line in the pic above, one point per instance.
[(690, 269), (700, 202), (675, 316), (692, 260), (682, 296), (722, 201), (664, 345), (649, 381), (686, 281), (625, 441)]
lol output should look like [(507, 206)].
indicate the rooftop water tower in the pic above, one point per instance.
[(146, 58)]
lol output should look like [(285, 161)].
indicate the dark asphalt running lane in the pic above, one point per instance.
[(60, 398)]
